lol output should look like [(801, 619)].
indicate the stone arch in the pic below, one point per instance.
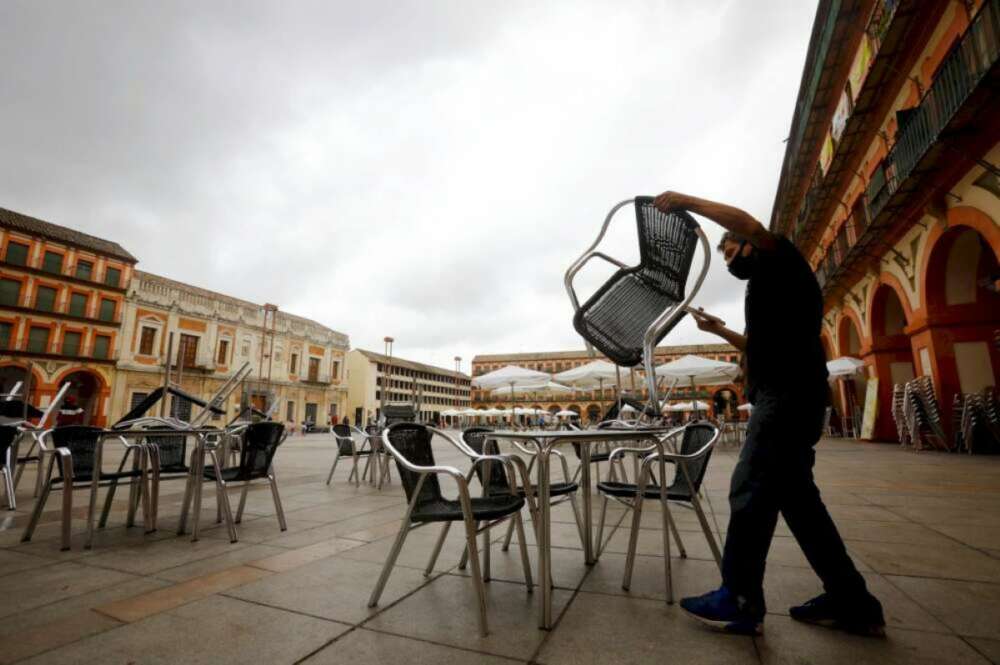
[(849, 333), (593, 413), (11, 372), (88, 391), (887, 290)]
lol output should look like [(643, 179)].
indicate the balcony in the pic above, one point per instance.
[(955, 108), (25, 348)]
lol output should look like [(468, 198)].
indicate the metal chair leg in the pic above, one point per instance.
[(67, 500), (103, 522), (334, 467), (188, 493), (36, 512), (714, 546), (437, 549), (486, 554), (221, 490), (577, 518), (668, 523), (510, 534), (277, 500), (632, 542), (677, 539), (477, 575), (397, 545), (243, 501), (600, 526), (522, 544), (8, 484)]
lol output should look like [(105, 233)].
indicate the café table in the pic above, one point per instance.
[(544, 442)]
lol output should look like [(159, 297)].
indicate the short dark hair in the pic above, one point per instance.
[(730, 236)]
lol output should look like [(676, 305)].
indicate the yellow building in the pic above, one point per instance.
[(62, 296), (429, 389), (301, 366), (590, 403), (890, 186)]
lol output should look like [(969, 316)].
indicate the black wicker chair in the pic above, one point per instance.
[(78, 450), (260, 443), (410, 445), (7, 461), (697, 441), (477, 439), (347, 446), (628, 316)]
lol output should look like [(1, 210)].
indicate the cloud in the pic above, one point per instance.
[(421, 169)]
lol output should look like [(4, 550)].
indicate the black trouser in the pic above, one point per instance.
[(774, 473)]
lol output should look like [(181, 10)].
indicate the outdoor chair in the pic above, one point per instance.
[(598, 454), (410, 446), (635, 309), (497, 482), (257, 449), (348, 446), (7, 460), (75, 454), (691, 462)]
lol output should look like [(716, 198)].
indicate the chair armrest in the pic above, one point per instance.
[(621, 452), (416, 468), (589, 254)]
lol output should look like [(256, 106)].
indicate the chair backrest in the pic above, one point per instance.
[(616, 317), (81, 441), (413, 441), (7, 435), (476, 438), (345, 438), (695, 436), (173, 451), (260, 442)]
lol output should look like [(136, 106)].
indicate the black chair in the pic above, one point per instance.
[(260, 443), (79, 451), (497, 482), (635, 309), (348, 446), (7, 461), (697, 442), (410, 445)]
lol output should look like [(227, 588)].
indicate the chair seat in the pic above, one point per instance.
[(555, 489), (628, 490), (229, 474), (483, 508)]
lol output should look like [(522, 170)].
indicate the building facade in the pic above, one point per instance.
[(301, 366), (429, 389), (590, 404), (890, 187), (62, 299)]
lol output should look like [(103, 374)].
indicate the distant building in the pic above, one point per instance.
[(890, 186), (430, 389), (62, 296), (302, 368), (590, 403)]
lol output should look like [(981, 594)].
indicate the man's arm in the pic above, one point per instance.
[(728, 217), (714, 325)]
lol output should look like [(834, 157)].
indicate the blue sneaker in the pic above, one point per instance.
[(721, 609)]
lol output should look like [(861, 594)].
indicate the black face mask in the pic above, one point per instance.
[(742, 267)]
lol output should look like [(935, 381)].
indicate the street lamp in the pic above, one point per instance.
[(388, 370), (458, 364)]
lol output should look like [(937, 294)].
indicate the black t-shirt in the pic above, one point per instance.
[(784, 313)]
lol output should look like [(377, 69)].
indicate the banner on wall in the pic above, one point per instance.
[(843, 112), (859, 68), (871, 409), (826, 153)]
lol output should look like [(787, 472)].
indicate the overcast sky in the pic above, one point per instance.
[(426, 170)]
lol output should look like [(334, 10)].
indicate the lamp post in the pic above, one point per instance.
[(458, 364), (386, 380)]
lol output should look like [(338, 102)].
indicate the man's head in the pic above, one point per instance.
[(738, 253)]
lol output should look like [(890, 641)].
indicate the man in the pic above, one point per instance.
[(786, 380)]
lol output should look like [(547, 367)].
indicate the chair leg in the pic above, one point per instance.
[(243, 501), (8, 484), (103, 522), (522, 544), (397, 545), (632, 542), (510, 534), (677, 539), (668, 524), (464, 561), (221, 490), (188, 493), (487, 549), (277, 500), (600, 526), (477, 575), (334, 467), (437, 549), (714, 546), (577, 518), (67, 500), (36, 512)]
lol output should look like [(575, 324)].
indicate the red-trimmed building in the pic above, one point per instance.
[(890, 187)]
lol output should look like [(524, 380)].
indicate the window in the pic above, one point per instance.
[(17, 253), (188, 350), (314, 369), (85, 270), (10, 292), (293, 364), (112, 276), (45, 299), (245, 351), (290, 411), (223, 352), (71, 344), (78, 304), (6, 332), (137, 400), (335, 371), (146, 340), (107, 312), (102, 343), (52, 262), (38, 340)]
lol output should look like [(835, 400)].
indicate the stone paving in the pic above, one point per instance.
[(924, 528)]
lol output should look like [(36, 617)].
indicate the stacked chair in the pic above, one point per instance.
[(923, 416), (978, 428), (410, 446)]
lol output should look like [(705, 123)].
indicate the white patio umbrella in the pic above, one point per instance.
[(510, 376), (699, 371), (844, 367), (538, 387), (696, 406), (566, 413), (595, 374)]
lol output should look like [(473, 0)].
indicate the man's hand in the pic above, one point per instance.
[(707, 322), (669, 201)]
